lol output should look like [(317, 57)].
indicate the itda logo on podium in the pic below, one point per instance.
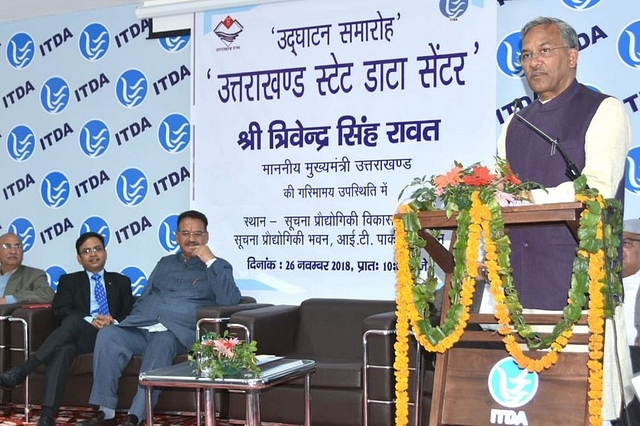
[(511, 387)]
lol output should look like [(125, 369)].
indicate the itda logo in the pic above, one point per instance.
[(55, 189), (629, 45), (20, 50), (54, 95), (137, 277), (21, 143), (508, 55), (53, 275), (581, 4), (453, 9), (167, 233), (132, 187), (174, 133), (98, 225), (94, 138), (24, 229), (132, 88), (511, 386), (94, 42), (632, 174), (174, 44)]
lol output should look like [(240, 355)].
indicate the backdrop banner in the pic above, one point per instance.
[(311, 117)]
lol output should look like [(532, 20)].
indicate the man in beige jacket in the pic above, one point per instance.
[(19, 283)]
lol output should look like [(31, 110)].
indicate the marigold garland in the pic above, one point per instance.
[(483, 221)]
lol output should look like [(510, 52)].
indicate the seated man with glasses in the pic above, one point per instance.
[(86, 302), (20, 283), (631, 283), (162, 324)]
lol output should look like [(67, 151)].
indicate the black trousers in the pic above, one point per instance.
[(75, 336)]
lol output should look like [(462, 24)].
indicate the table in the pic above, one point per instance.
[(273, 373)]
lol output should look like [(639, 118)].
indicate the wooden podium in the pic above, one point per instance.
[(461, 394)]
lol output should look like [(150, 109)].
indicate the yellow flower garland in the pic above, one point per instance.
[(480, 228)]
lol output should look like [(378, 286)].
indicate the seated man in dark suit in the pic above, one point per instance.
[(19, 283), (162, 324), (86, 302)]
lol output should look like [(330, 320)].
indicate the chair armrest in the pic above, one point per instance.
[(382, 321), (40, 323), (222, 312), (273, 327)]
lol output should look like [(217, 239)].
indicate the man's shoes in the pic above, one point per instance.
[(46, 421), (130, 420), (12, 378), (98, 420)]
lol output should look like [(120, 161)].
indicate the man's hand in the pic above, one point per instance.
[(203, 252), (101, 321)]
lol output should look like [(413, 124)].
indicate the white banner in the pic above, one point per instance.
[(312, 116)]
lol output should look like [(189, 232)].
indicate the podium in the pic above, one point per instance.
[(463, 393)]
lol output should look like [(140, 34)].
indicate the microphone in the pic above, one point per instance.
[(572, 171)]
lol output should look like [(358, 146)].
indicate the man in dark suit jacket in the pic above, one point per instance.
[(20, 283), (77, 305)]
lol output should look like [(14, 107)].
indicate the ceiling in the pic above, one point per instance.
[(16, 10)]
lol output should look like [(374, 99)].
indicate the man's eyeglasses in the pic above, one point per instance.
[(97, 249), (545, 52), (190, 233), (8, 246), (628, 242)]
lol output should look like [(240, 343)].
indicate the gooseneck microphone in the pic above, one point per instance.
[(572, 171)]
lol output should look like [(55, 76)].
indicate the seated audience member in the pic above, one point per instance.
[(162, 324), (20, 283), (86, 302)]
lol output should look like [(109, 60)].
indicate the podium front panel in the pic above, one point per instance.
[(560, 397)]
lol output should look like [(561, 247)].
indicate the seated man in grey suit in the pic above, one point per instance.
[(19, 283), (85, 302), (162, 324)]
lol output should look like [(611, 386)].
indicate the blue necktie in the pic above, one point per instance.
[(100, 295)]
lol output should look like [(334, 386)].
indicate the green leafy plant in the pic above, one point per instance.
[(224, 356)]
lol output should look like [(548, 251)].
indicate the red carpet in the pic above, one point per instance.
[(14, 415), (11, 415)]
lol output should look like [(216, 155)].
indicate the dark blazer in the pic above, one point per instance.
[(74, 295)]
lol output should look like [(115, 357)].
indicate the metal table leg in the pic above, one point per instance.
[(307, 399), (253, 408), (209, 408), (149, 407)]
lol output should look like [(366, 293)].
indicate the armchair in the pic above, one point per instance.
[(40, 323), (329, 331)]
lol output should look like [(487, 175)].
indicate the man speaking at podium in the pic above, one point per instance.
[(593, 133)]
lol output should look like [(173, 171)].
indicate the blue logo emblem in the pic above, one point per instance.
[(453, 9), (132, 88), (632, 174), (24, 229), (167, 234), (174, 44), (53, 275), (581, 4), (508, 55), (137, 277), (94, 138), (94, 41), (174, 133), (629, 45), (20, 50), (54, 95), (55, 189), (132, 187), (98, 225), (511, 386), (594, 88), (21, 142)]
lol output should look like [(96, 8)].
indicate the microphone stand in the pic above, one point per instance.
[(572, 171)]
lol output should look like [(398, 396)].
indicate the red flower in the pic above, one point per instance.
[(481, 176), (452, 178)]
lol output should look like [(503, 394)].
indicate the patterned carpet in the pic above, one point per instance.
[(14, 415)]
